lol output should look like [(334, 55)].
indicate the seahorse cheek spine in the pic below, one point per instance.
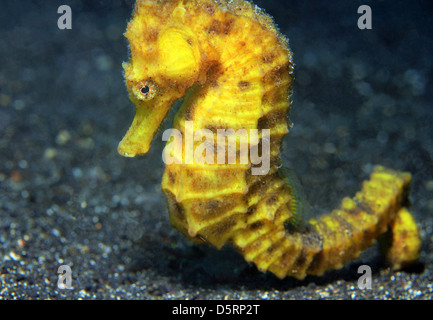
[(236, 71)]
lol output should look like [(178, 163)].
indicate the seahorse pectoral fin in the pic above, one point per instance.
[(146, 121)]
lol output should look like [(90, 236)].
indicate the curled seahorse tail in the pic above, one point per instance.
[(334, 239), (402, 244)]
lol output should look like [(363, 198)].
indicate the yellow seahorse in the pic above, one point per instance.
[(234, 70)]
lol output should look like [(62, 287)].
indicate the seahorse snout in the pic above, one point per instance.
[(148, 117)]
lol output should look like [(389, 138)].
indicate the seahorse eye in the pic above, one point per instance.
[(146, 90)]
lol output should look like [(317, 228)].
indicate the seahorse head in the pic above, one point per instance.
[(165, 60)]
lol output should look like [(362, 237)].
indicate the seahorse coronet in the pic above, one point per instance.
[(234, 70)]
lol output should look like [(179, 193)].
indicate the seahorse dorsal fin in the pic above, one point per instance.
[(300, 207)]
